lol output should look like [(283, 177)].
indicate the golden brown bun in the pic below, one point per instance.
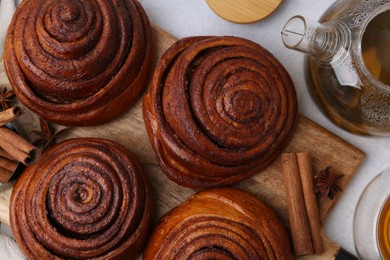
[(79, 62), (85, 198), (219, 109), (224, 223)]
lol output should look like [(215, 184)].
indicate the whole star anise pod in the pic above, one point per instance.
[(327, 183), (6, 97), (48, 135)]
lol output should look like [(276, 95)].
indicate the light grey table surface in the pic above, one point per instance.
[(184, 18)]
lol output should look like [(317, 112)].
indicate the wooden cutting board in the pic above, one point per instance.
[(129, 130), (243, 11)]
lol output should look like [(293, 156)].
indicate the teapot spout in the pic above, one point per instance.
[(329, 43)]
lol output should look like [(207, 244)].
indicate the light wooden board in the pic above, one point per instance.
[(243, 11), (129, 130)]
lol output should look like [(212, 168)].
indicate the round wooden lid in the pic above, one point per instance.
[(243, 11)]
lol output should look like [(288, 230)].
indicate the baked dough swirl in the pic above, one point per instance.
[(85, 198), (79, 62), (224, 223), (219, 109)]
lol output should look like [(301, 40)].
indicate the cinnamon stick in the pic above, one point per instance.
[(4, 154), (307, 180), (5, 175), (299, 222), (10, 114), (8, 164), (18, 147), (7, 169)]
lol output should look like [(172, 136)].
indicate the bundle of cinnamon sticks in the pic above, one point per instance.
[(302, 203), (13, 147)]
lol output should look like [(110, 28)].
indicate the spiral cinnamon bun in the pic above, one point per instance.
[(79, 62), (224, 223), (219, 109), (85, 198)]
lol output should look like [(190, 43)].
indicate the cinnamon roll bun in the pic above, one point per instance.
[(224, 223), (219, 109), (85, 198), (79, 62)]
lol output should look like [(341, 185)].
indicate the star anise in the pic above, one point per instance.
[(6, 97), (48, 135), (327, 183)]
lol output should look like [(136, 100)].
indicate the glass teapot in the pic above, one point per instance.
[(349, 62)]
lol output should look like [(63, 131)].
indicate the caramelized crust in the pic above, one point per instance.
[(223, 223), (79, 62), (85, 198), (219, 109)]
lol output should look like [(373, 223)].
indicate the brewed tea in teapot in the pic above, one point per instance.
[(348, 62)]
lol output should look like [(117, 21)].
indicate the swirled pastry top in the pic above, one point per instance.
[(85, 198), (223, 223), (219, 109), (78, 62)]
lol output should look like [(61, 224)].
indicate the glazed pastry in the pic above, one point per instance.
[(85, 198), (224, 223), (219, 109), (79, 62)]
